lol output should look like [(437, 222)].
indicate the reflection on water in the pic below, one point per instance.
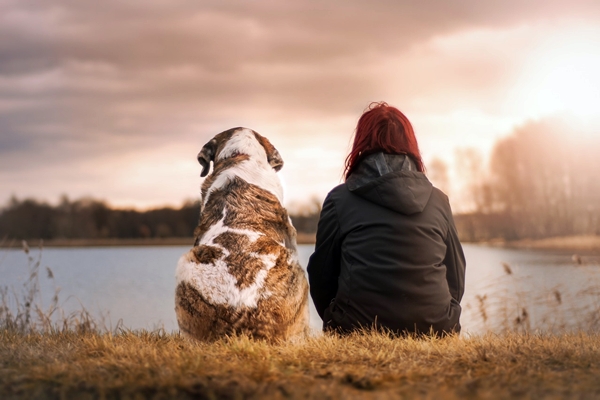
[(505, 289)]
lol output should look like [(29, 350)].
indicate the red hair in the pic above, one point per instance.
[(383, 128)]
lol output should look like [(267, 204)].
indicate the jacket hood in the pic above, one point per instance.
[(391, 181)]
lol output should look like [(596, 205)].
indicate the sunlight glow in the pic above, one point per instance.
[(562, 75)]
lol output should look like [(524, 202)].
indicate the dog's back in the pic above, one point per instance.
[(242, 276)]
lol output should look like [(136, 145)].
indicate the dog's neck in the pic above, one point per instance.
[(255, 172)]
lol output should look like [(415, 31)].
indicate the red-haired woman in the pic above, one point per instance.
[(387, 252)]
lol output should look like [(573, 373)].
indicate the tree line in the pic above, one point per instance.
[(94, 219), (541, 181)]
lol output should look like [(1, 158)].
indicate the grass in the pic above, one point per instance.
[(45, 354), (158, 365)]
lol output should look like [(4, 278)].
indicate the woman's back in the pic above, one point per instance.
[(393, 234), (387, 252)]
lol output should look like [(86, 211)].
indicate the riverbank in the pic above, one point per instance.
[(159, 365)]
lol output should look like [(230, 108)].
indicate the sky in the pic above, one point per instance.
[(114, 99)]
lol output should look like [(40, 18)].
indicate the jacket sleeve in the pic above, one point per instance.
[(455, 262), (324, 264)]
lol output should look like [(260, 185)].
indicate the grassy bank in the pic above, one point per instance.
[(158, 365)]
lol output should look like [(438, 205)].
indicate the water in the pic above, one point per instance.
[(544, 289)]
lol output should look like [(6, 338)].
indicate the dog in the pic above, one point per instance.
[(242, 276)]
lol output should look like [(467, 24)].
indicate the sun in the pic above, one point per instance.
[(562, 75), (571, 83)]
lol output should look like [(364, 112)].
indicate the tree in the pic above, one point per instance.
[(437, 171), (542, 180)]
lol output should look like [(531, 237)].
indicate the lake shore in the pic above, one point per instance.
[(581, 243), (134, 364), (575, 244), (303, 238)]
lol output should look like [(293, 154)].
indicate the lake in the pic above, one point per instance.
[(505, 288)]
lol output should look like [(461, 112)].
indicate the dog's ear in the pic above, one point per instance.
[(274, 159), (273, 156), (206, 155)]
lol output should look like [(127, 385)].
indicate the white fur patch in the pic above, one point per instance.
[(255, 170), (214, 281)]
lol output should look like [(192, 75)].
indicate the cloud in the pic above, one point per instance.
[(83, 83)]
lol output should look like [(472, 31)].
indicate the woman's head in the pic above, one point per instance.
[(383, 128)]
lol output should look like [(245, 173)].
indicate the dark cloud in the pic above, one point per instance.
[(224, 35)]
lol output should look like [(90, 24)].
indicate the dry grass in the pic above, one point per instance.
[(158, 365)]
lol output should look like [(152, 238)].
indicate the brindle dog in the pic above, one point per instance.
[(242, 276)]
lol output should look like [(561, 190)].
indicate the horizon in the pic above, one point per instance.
[(114, 101)]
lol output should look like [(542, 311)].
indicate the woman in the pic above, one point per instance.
[(387, 252)]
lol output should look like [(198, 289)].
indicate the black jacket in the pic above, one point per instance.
[(387, 252)]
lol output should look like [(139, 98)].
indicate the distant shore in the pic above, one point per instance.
[(587, 243), (580, 243), (303, 238)]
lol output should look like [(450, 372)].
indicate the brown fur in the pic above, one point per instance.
[(268, 321)]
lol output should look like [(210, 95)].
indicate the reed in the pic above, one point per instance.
[(557, 309), (23, 312)]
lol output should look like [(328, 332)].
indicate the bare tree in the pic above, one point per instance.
[(543, 181), (437, 172), (476, 192)]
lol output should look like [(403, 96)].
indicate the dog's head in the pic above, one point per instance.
[(238, 142)]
